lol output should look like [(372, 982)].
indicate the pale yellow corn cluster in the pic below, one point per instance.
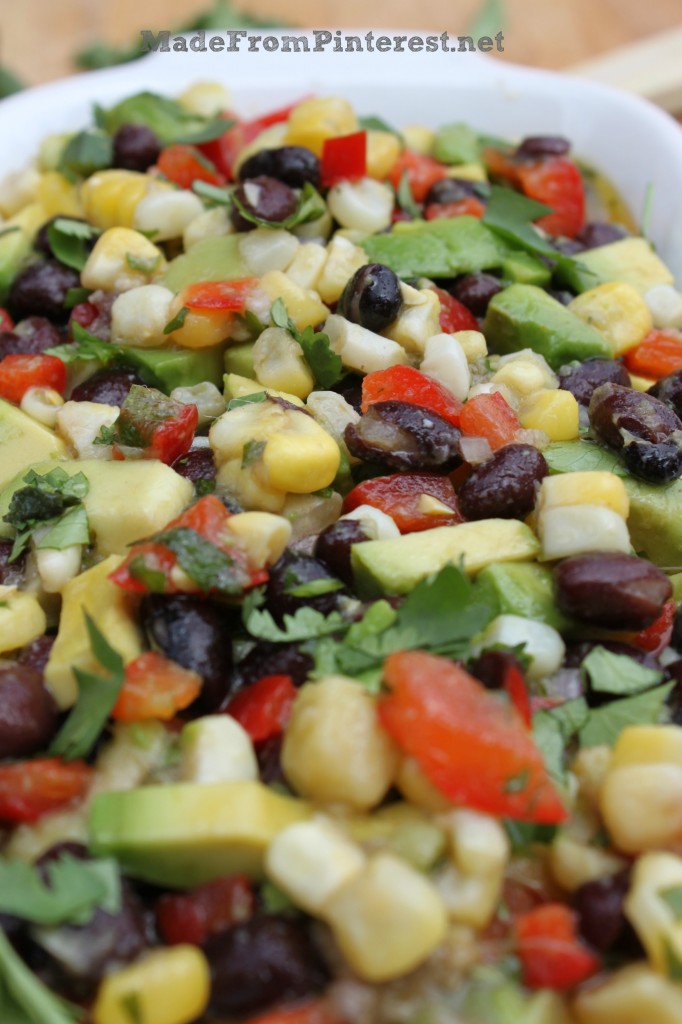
[(581, 512), (168, 986), (117, 198)]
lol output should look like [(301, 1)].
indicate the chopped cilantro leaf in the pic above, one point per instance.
[(86, 152), (257, 396), (145, 266), (310, 206), (315, 588), (406, 200), (86, 347), (324, 363), (205, 564), (606, 723), (617, 673), (52, 499), (76, 889), (178, 320), (252, 452)]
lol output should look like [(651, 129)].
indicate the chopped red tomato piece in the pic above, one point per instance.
[(226, 296), (207, 910), (454, 315), (501, 165), (469, 207), (551, 952), (264, 708), (344, 158), (18, 373), (658, 355), (402, 496), (514, 685), (30, 789), (557, 182), (472, 745), (223, 151), (491, 417), (84, 314), (6, 321), (184, 165), (405, 384), (152, 426), (422, 172), (317, 1012), (155, 687), (656, 636)]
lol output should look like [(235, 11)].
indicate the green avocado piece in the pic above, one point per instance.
[(16, 236), (437, 248), (22, 441), (523, 268), (655, 520), (521, 588), (396, 566), (186, 834), (524, 316), (457, 144), (239, 360), (212, 259), (167, 368)]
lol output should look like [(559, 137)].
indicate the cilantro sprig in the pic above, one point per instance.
[(326, 367), (85, 347), (68, 240), (53, 501), (73, 891)]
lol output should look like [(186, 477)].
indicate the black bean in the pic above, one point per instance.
[(269, 755), (196, 633), (568, 246), (290, 572), (41, 289), (36, 653), (612, 590), (11, 573), (581, 379), (669, 390), (268, 659), (107, 386), (492, 667), (505, 485), (136, 147), (598, 233), (451, 190), (333, 547), (617, 412), (404, 436), (263, 197), (294, 165), (475, 291), (33, 335), (264, 962), (372, 297), (656, 463), (534, 146), (563, 296), (601, 920), (197, 464), (350, 388), (28, 714)]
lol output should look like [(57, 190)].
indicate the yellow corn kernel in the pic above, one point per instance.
[(240, 387), (335, 750), (264, 536), (109, 264), (585, 488), (206, 99), (302, 459), (656, 922), (633, 995), (590, 767), (21, 619), (418, 320), (474, 344), (343, 259), (310, 860), (109, 197), (419, 138), (525, 376), (648, 744), (305, 308), (640, 383), (419, 790), (641, 805), (167, 986), (387, 919), (383, 149), (58, 195), (617, 311), (556, 413), (574, 863), (314, 121), (470, 172), (469, 899), (201, 328), (279, 363)]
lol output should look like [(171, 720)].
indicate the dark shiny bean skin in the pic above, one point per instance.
[(656, 463), (33, 335), (451, 190), (291, 571), (35, 654), (40, 290), (598, 233), (612, 590), (350, 388), (109, 387), (534, 146), (505, 485), (616, 411), (266, 198), (267, 961), (491, 668), (568, 246), (294, 165), (601, 921), (269, 755), (11, 573), (669, 390), (333, 547), (136, 147), (583, 379), (197, 634), (198, 464), (404, 436), (28, 715), (475, 291), (372, 297), (269, 659)]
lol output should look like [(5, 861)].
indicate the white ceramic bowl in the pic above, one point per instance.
[(633, 142)]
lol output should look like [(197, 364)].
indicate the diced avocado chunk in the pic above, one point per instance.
[(396, 566), (211, 259), (437, 248), (239, 360), (23, 440), (524, 316), (457, 144), (16, 245), (186, 834), (167, 368), (631, 260), (125, 501), (523, 268), (520, 588), (113, 611)]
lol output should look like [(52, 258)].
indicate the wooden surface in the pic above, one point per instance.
[(39, 37)]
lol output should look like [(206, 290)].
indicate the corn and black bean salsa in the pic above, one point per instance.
[(340, 557)]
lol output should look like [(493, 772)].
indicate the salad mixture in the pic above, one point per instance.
[(340, 555)]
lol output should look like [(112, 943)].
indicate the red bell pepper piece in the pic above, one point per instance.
[(223, 151), (555, 181), (469, 207), (184, 165), (656, 636), (226, 296), (658, 355), (551, 952), (155, 687), (152, 426), (317, 1012), (18, 373), (207, 910), (454, 315), (405, 384), (399, 496), (422, 173), (264, 708), (344, 158), (6, 321), (474, 747), (84, 314), (491, 417), (30, 789), (514, 685)]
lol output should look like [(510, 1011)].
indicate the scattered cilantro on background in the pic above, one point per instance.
[(325, 365)]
